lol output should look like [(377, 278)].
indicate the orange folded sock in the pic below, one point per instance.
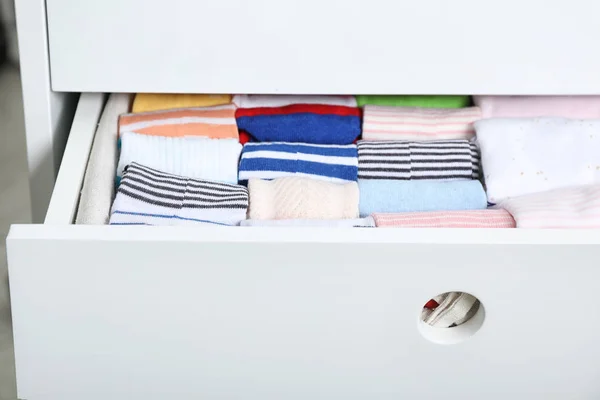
[(216, 122)]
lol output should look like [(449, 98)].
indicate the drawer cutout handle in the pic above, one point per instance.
[(451, 317)]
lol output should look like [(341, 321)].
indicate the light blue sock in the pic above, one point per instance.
[(391, 196)]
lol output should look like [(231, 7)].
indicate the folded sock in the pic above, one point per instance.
[(216, 122), (527, 155), (432, 160), (447, 219), (302, 198), (414, 101), (333, 163), (151, 197), (574, 207), (367, 222), (394, 196), (578, 107), (454, 309), (194, 157), (280, 100), (414, 123), (301, 123), (98, 188), (166, 101)]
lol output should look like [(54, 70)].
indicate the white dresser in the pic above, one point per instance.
[(104, 312)]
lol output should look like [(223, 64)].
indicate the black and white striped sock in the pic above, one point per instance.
[(433, 160)]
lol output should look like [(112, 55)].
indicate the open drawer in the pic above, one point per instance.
[(256, 313)]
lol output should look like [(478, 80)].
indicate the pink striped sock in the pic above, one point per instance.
[(446, 219), (414, 123), (575, 207)]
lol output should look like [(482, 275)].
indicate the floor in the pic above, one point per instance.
[(14, 207)]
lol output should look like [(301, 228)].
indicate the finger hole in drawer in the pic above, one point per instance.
[(451, 318)]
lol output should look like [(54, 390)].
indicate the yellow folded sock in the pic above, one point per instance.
[(165, 101)]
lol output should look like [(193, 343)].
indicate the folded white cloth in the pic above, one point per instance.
[(193, 157), (150, 197), (528, 155), (455, 308), (98, 189), (368, 222), (280, 100), (302, 198), (574, 207)]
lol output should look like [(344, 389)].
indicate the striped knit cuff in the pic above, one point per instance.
[(430, 160), (216, 122), (151, 197), (331, 163), (413, 123), (446, 219)]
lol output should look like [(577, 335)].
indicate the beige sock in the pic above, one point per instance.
[(302, 198)]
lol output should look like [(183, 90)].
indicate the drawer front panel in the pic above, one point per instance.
[(133, 319), (325, 46)]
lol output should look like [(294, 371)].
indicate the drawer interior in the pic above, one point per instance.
[(65, 200), (65, 196)]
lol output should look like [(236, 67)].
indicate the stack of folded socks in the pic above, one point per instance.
[(541, 158), (415, 158), (422, 160), (302, 164), (194, 142), (178, 162)]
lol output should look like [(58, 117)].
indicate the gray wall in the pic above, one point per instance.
[(8, 16)]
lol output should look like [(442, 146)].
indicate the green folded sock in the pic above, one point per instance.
[(414, 101)]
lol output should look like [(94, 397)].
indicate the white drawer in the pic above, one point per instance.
[(325, 46), (135, 312)]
